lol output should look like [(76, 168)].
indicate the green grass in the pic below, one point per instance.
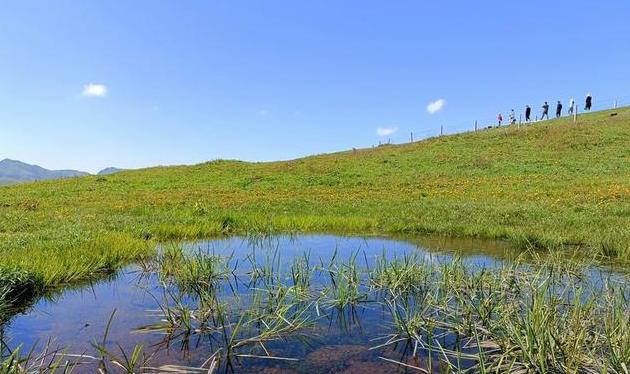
[(547, 185), (512, 319)]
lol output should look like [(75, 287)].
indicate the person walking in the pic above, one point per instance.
[(571, 106), (545, 112), (499, 118), (512, 117), (589, 101), (528, 113), (559, 109)]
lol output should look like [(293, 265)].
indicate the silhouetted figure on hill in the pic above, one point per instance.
[(512, 117), (499, 118), (545, 112), (571, 106), (528, 113), (589, 102), (559, 109)]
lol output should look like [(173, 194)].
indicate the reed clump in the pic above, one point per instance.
[(544, 315)]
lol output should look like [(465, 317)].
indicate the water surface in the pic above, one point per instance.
[(340, 342)]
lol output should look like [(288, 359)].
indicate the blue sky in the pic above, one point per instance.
[(188, 81)]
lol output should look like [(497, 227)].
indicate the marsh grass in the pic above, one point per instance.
[(47, 270), (17, 288), (545, 315), (49, 360), (17, 283), (400, 276), (534, 314), (198, 273), (544, 318), (302, 273), (203, 299), (119, 359), (237, 331), (346, 283), (616, 335)]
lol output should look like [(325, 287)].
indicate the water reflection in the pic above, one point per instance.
[(259, 286)]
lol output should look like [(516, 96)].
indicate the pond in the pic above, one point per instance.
[(290, 304)]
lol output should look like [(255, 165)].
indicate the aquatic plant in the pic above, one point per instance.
[(346, 286), (512, 318), (400, 275), (48, 360), (538, 314), (238, 329)]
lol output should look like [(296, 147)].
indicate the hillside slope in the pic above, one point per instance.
[(549, 184)]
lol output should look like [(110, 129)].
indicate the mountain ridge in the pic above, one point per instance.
[(15, 171), (109, 170)]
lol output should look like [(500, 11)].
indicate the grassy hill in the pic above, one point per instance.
[(548, 185)]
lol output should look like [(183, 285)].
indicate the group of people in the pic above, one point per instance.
[(545, 110)]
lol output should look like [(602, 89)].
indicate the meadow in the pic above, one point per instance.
[(549, 185)]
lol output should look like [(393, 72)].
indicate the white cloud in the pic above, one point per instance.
[(384, 131), (436, 106), (263, 112), (94, 90)]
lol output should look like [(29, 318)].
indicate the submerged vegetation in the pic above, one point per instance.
[(555, 315)]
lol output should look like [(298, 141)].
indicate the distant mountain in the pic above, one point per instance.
[(12, 171), (111, 170)]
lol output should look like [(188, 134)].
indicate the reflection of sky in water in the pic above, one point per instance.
[(78, 317), (321, 249)]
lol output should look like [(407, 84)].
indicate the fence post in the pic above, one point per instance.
[(615, 107), (575, 114), (441, 130), (412, 136), (475, 125)]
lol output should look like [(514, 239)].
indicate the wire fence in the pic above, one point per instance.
[(474, 125)]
